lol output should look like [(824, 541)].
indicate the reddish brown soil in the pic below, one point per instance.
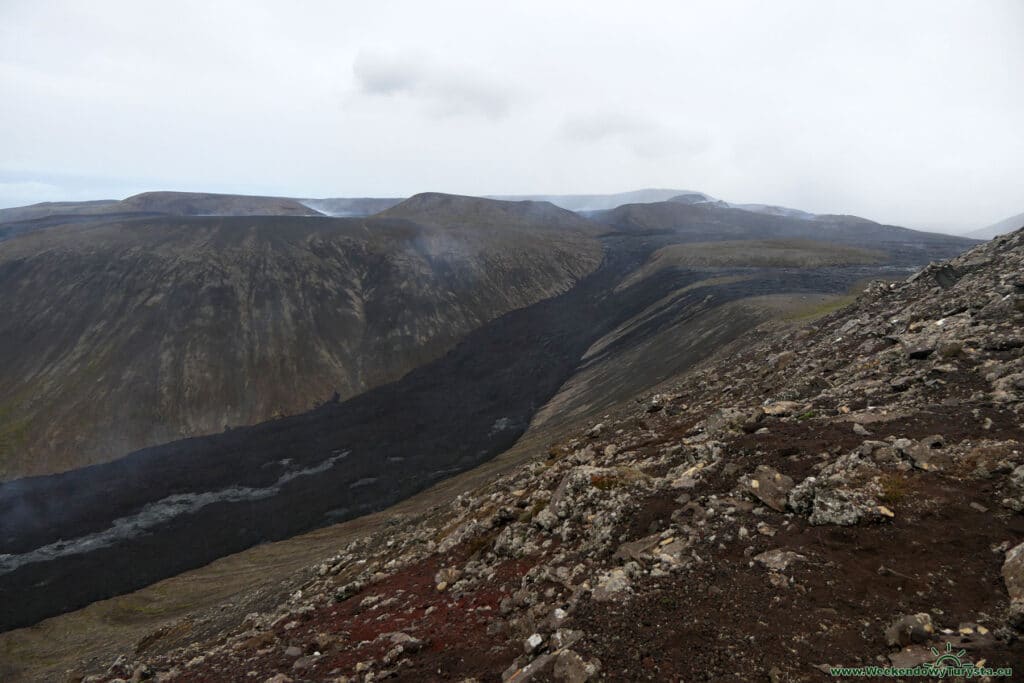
[(454, 633), (722, 621)]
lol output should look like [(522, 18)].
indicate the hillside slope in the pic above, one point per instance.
[(1001, 228), (712, 222), (123, 334), (847, 493)]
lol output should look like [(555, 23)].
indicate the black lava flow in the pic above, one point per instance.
[(442, 418)]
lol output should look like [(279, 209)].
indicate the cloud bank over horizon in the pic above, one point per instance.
[(906, 113)]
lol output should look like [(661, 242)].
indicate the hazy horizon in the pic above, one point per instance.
[(904, 114)]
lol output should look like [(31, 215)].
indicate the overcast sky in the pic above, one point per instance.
[(908, 112)]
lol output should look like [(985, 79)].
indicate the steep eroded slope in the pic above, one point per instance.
[(124, 334)]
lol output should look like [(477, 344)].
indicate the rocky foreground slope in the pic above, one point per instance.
[(843, 494)]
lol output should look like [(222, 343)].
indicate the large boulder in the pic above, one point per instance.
[(1013, 577), (769, 486), (844, 493), (1013, 572)]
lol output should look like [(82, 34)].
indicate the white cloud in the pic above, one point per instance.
[(909, 115), (643, 137), (595, 127), (383, 74), (445, 90)]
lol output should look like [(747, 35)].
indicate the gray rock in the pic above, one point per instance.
[(447, 575), (783, 359), (920, 351), (546, 519), (577, 482), (839, 507), (636, 550), (1013, 572), (142, 673), (1015, 614), (778, 559), (672, 551), (121, 663), (769, 486), (943, 274), (348, 590), (555, 620), (612, 585), (928, 454), (565, 637), (826, 505), (408, 643), (946, 275), (879, 451), (497, 627), (782, 408), (571, 668), (950, 349), (912, 628), (303, 663), (534, 670), (729, 419), (533, 643), (901, 383), (842, 494)]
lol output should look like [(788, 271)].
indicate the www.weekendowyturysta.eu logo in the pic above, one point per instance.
[(947, 664)]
